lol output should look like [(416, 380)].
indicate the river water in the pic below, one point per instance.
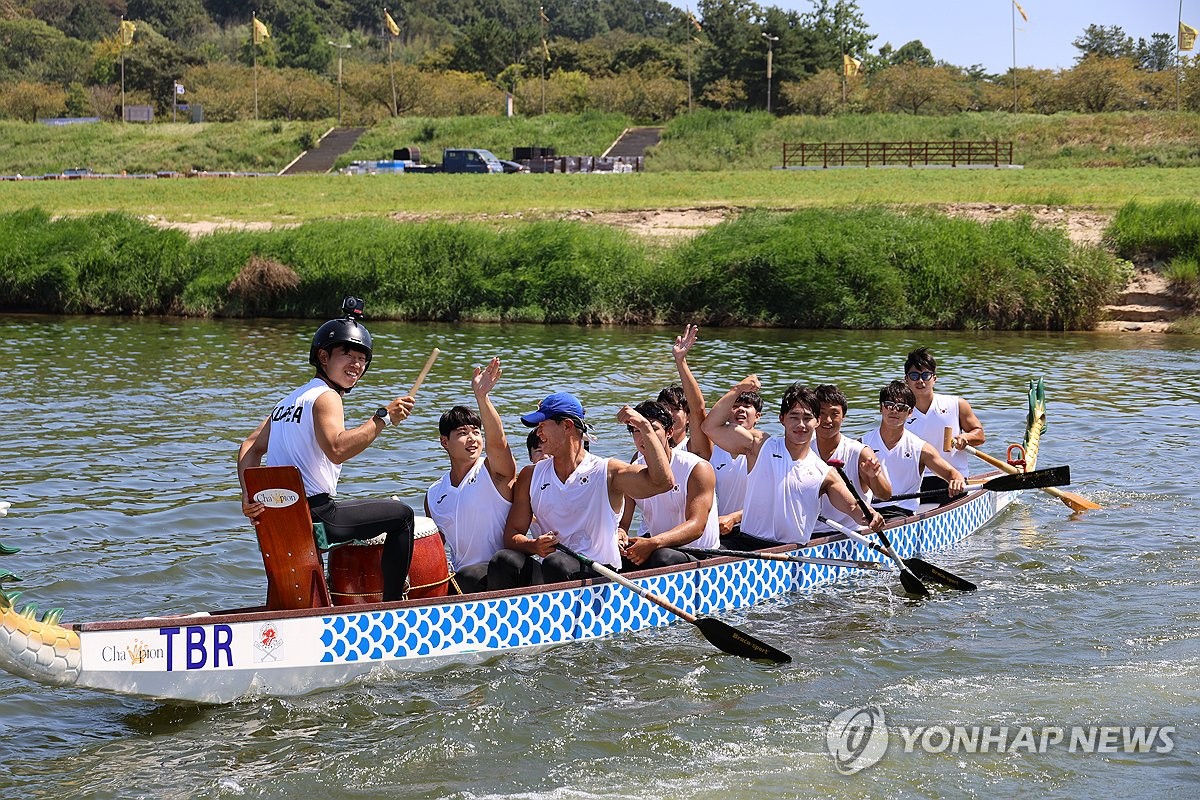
[(118, 448)]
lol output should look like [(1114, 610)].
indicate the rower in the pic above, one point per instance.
[(576, 496), (934, 412), (861, 465), (470, 502), (684, 515), (787, 479), (307, 429), (905, 455)]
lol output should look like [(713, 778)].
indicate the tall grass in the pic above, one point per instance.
[(1163, 230), (867, 268)]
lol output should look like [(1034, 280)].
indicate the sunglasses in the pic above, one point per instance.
[(901, 407), (919, 376)]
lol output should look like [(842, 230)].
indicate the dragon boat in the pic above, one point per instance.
[(299, 642)]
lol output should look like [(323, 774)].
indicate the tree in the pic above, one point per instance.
[(725, 94), (1106, 42), (1156, 55), (913, 52), (28, 101), (175, 19), (1099, 83), (303, 46), (837, 28), (913, 88), (818, 94)]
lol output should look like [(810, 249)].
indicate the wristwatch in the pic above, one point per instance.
[(383, 414)]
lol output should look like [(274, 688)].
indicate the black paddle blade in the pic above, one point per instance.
[(729, 639), (932, 572), (1038, 479), (912, 584)]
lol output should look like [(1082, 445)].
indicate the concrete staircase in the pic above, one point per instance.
[(322, 157), (634, 142), (1146, 304)]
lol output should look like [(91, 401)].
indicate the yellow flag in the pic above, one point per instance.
[(1021, 11), (127, 29), (542, 14), (1187, 36), (392, 27), (692, 19), (850, 65), (260, 31), (546, 49)]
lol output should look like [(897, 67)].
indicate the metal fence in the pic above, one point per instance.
[(897, 154)]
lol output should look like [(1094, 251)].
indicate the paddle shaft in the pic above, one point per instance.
[(867, 513), (722, 636), (795, 559), (1074, 502)]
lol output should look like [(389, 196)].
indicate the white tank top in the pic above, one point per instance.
[(665, 511), (578, 508), (731, 480), (292, 441), (931, 426), (783, 495), (847, 451), (471, 515), (902, 463)]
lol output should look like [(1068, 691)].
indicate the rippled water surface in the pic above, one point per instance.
[(118, 449)]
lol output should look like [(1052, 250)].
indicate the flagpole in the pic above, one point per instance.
[(542, 23), (841, 45), (254, 48), (1178, 53), (121, 37), (1012, 9)]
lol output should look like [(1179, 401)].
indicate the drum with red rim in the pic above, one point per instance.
[(356, 577)]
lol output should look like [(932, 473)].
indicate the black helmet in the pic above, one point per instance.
[(346, 330)]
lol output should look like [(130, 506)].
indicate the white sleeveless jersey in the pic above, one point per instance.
[(783, 495), (902, 463), (848, 451), (931, 426), (731, 480), (578, 508), (665, 511), (471, 515), (292, 441)]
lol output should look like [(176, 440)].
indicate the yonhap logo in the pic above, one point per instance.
[(857, 738)]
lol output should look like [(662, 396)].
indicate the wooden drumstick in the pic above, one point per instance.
[(424, 371)]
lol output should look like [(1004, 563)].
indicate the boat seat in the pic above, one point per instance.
[(295, 574)]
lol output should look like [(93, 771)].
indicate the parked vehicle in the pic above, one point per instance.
[(469, 159)]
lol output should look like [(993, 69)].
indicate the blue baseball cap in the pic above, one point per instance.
[(559, 404)]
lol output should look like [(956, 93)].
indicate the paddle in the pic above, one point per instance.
[(1074, 501), (919, 566), (908, 579), (720, 635), (848, 563), (1038, 479)]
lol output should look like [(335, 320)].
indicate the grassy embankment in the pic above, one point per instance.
[(817, 268), (1166, 233)]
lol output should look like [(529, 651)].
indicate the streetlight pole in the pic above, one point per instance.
[(340, 48), (771, 40)]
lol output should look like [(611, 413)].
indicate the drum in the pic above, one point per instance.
[(429, 575), (355, 574), (356, 577)]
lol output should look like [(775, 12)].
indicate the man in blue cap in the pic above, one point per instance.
[(576, 497)]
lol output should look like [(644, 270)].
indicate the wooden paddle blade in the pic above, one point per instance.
[(1038, 479), (737, 643), (1074, 501), (932, 572)]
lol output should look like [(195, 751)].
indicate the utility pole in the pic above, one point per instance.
[(771, 40), (340, 49)]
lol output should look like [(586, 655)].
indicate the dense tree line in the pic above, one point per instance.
[(646, 58)]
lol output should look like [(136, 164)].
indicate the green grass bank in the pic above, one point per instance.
[(861, 268)]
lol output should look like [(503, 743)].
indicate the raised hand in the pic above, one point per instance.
[(685, 341), (486, 378)]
